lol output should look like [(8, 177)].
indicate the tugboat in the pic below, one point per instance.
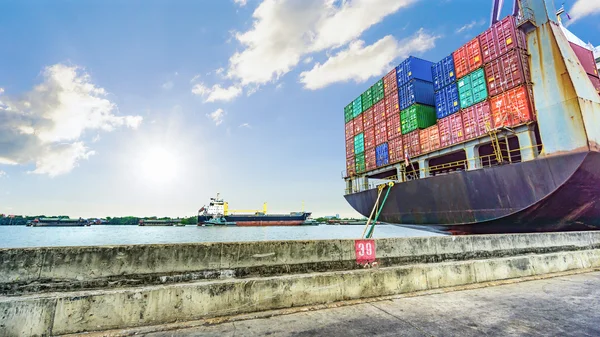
[(218, 214)]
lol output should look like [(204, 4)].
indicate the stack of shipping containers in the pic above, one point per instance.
[(420, 107)]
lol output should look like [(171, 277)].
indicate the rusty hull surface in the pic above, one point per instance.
[(557, 193)]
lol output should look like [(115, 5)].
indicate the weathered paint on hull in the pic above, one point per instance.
[(558, 193), (268, 223)]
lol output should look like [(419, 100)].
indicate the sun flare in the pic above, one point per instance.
[(158, 165)]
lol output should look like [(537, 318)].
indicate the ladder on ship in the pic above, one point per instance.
[(497, 144)]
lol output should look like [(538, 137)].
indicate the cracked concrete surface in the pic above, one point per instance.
[(562, 306)]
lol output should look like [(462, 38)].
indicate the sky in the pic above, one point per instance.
[(149, 108)]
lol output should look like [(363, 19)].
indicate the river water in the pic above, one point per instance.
[(21, 236)]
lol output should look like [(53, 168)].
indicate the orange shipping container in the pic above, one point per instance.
[(350, 148), (350, 169), (379, 112), (358, 124), (467, 58), (392, 105), (370, 138), (430, 139), (350, 129), (396, 150), (370, 159), (412, 144), (512, 107), (393, 127), (380, 133), (475, 119), (368, 118), (390, 83), (451, 130)]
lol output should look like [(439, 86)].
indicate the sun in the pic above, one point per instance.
[(158, 165)]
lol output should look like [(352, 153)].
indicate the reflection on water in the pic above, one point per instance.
[(19, 236)]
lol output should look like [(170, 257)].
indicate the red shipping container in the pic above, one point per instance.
[(393, 127), (586, 58), (390, 82), (392, 105), (350, 168), (350, 148), (370, 138), (512, 107), (475, 119), (368, 118), (412, 144), (380, 133), (358, 124), (370, 159), (596, 82), (429, 138), (395, 149), (350, 129), (467, 58), (489, 45), (508, 71), (379, 112), (509, 37), (451, 130)]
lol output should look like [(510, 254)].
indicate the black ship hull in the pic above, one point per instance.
[(558, 193)]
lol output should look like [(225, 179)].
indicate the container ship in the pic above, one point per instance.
[(218, 214), (500, 136)]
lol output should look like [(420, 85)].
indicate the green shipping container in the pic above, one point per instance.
[(479, 86), (367, 99), (472, 89), (360, 163), (359, 143), (357, 107), (417, 116), (377, 91), (348, 113)]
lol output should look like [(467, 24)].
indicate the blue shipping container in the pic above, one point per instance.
[(413, 68), (382, 155), (416, 91), (443, 73), (447, 101)]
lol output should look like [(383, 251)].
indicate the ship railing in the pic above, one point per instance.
[(509, 156)]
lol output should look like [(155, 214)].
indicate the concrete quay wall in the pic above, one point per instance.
[(411, 264), (63, 268)]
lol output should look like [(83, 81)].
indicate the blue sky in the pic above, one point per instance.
[(112, 108)]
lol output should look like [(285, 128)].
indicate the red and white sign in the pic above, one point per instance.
[(365, 251)]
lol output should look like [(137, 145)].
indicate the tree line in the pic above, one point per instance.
[(21, 220)]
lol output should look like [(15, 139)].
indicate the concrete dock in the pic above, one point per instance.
[(560, 306), (66, 290)]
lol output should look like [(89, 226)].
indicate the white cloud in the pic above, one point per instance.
[(308, 60), (286, 30), (470, 26), (220, 71), (216, 93), (359, 62), (168, 85), (1, 90), (279, 86), (583, 8), (45, 125), (240, 2), (195, 78), (245, 125), (217, 116), (2, 174)]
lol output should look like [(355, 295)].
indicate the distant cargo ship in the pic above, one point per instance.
[(501, 136), (58, 222), (218, 214)]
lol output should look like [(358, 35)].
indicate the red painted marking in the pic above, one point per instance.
[(365, 251)]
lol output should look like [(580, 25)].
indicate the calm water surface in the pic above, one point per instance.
[(20, 236)]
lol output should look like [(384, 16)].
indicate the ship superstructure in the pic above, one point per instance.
[(513, 145)]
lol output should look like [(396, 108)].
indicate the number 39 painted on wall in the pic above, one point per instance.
[(365, 251)]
